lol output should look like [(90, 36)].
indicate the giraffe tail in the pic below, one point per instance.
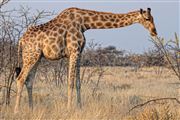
[(18, 68)]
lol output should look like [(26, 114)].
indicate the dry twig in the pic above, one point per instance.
[(153, 100)]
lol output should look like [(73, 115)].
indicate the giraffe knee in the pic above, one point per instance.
[(19, 87), (19, 83)]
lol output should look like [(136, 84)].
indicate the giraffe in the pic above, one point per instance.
[(63, 37)]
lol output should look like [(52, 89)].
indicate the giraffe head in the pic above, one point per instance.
[(146, 19)]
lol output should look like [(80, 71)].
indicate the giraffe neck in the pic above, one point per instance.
[(103, 20), (89, 19)]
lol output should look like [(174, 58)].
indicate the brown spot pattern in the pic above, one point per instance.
[(99, 23), (86, 19), (95, 18), (108, 24), (72, 30), (54, 47), (79, 36), (60, 31)]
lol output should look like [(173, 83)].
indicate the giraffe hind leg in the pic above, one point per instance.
[(29, 63), (20, 82), (29, 85)]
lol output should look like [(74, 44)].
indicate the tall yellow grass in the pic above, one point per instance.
[(119, 89)]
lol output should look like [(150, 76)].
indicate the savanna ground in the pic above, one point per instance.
[(118, 90)]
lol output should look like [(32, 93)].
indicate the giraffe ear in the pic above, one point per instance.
[(149, 12), (141, 11)]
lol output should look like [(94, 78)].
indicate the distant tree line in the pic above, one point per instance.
[(111, 56)]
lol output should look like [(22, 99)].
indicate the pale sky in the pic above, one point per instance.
[(134, 38)]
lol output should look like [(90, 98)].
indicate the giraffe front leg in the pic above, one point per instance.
[(78, 83), (71, 78)]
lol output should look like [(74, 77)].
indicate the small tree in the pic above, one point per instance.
[(171, 52), (13, 24)]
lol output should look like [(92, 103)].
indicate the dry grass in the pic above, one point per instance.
[(120, 89)]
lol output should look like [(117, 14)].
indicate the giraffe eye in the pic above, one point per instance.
[(148, 19)]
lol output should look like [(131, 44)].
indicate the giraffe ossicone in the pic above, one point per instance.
[(63, 37)]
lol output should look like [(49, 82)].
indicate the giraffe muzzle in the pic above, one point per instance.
[(153, 32)]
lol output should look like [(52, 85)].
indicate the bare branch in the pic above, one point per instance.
[(3, 2), (13, 24), (153, 100)]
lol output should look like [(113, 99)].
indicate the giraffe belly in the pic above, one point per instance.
[(53, 55)]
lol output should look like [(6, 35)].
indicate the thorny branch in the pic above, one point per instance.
[(170, 50), (153, 100)]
